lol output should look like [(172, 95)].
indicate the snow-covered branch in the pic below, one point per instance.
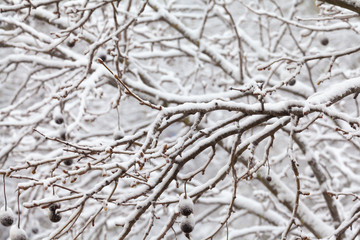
[(179, 120)]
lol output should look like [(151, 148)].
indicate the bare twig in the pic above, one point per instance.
[(128, 91)]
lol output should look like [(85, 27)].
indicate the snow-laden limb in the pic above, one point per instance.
[(218, 132), (321, 55), (334, 27), (254, 230), (335, 92), (352, 5), (26, 4), (347, 223), (23, 58), (251, 205)]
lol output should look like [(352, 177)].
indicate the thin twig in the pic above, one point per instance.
[(128, 91), (5, 199)]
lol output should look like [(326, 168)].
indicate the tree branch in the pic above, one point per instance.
[(352, 5)]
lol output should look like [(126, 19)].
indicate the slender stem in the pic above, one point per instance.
[(18, 208), (5, 199), (185, 189), (118, 113), (113, 191), (128, 91)]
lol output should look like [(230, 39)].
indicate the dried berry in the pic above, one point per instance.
[(68, 162), (187, 224), (268, 178), (186, 205), (292, 82), (71, 43), (103, 57), (6, 217), (35, 230), (324, 41), (17, 233), (54, 217), (59, 119), (53, 207)]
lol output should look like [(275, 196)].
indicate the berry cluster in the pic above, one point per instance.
[(53, 215), (7, 218), (186, 208)]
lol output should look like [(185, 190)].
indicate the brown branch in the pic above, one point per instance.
[(128, 91), (297, 199), (352, 5)]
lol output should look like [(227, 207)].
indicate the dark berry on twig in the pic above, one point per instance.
[(6, 217), (103, 57), (324, 41), (187, 224), (292, 82), (68, 162), (59, 119)]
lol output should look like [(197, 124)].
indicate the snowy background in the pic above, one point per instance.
[(114, 109)]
